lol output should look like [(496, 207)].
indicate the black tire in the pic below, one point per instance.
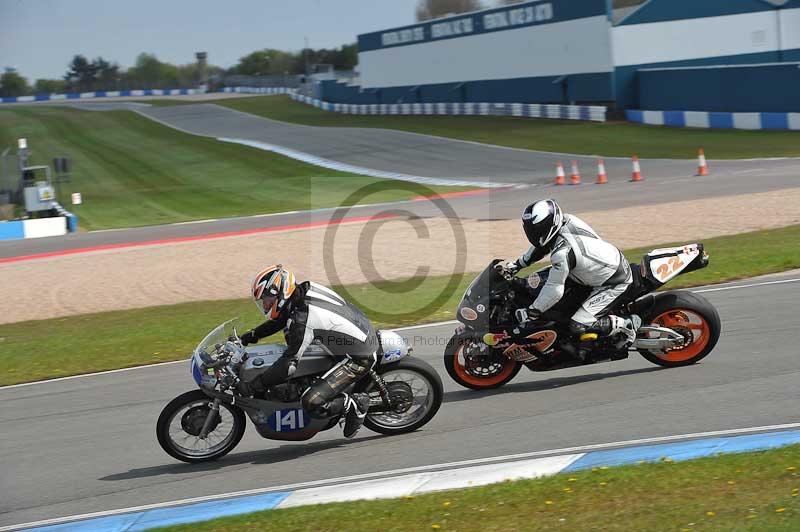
[(164, 419), (509, 371), (681, 299), (426, 371)]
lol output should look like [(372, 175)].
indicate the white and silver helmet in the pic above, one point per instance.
[(542, 221)]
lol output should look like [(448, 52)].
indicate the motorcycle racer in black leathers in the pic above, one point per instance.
[(578, 253), (308, 312)]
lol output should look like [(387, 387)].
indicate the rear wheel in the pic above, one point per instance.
[(694, 318), (415, 389), (474, 365)]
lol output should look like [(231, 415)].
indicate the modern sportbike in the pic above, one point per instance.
[(490, 347), (205, 424)]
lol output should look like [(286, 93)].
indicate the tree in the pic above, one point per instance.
[(429, 9), (81, 74), (265, 62), (344, 58), (107, 74), (13, 84), (150, 73), (49, 86)]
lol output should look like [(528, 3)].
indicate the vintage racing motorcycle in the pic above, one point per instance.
[(205, 424), (490, 347)]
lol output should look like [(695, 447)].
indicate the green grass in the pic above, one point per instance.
[(110, 340), (609, 139), (127, 338), (743, 492), (133, 171)]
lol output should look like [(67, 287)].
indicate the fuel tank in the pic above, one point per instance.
[(260, 357)]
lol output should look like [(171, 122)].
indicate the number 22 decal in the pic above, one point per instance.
[(673, 265)]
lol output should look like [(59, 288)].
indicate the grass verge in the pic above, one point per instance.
[(750, 491), (133, 171), (36, 350), (621, 139)]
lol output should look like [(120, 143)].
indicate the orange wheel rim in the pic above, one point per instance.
[(685, 321), (476, 380)]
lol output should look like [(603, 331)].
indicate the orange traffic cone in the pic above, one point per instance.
[(560, 177), (602, 179), (637, 170), (575, 177), (702, 165)]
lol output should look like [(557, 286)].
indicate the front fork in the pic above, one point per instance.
[(212, 413)]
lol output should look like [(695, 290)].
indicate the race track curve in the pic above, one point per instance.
[(88, 444), (489, 205)]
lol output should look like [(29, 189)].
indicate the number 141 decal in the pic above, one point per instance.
[(288, 420)]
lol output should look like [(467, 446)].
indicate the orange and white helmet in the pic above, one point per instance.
[(272, 288)]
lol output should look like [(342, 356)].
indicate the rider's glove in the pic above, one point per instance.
[(248, 338), (511, 266), (292, 368), (507, 268)]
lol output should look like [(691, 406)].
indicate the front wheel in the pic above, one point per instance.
[(181, 422), (690, 315), (416, 388), (474, 365)]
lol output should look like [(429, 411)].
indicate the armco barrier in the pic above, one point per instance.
[(593, 113), (258, 90), (64, 223), (774, 121), (35, 228), (99, 94)]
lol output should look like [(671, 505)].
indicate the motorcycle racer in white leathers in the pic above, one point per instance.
[(579, 254)]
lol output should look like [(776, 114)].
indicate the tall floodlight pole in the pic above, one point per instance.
[(202, 67), (305, 55)]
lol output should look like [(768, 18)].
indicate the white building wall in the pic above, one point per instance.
[(681, 40), (575, 46), (790, 28)]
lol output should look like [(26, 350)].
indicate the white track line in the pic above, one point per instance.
[(183, 361), (417, 469), (108, 372), (339, 166), (411, 327), (766, 283)]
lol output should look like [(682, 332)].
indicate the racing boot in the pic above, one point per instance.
[(355, 410), (627, 327)]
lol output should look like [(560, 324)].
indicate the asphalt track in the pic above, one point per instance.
[(494, 204), (399, 151), (87, 444), (411, 153)]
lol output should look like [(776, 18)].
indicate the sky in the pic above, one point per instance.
[(40, 37)]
